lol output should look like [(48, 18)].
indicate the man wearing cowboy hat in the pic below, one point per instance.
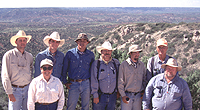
[(16, 72), (104, 73), (167, 91), (132, 80), (53, 42), (77, 65), (155, 62)]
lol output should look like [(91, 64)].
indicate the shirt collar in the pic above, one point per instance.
[(165, 61), (106, 62), (18, 53), (41, 77), (85, 52), (130, 62)]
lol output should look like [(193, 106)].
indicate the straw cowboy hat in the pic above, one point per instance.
[(82, 36), (134, 48), (105, 45), (20, 33), (54, 36), (173, 63)]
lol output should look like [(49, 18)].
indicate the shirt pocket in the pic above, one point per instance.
[(14, 67), (102, 75), (158, 91), (73, 62), (86, 63)]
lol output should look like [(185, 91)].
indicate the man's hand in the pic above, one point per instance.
[(68, 85), (96, 100), (118, 95), (142, 95), (11, 97), (124, 99)]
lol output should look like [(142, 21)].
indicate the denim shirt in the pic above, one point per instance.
[(57, 67), (107, 77), (167, 96), (157, 66), (76, 65)]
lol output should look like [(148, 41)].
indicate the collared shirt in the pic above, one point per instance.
[(167, 96), (42, 91), (58, 63), (107, 77), (131, 79), (16, 69), (76, 65), (156, 66)]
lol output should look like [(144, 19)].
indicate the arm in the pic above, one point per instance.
[(61, 96), (5, 74), (121, 81), (31, 95), (146, 102), (186, 97), (94, 80), (37, 65), (148, 71), (31, 66), (66, 62)]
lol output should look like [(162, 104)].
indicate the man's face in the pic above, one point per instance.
[(170, 72), (21, 42), (82, 43), (135, 56), (53, 44), (46, 70), (161, 49), (106, 54)]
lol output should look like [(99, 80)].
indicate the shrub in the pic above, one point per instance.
[(186, 54), (192, 61)]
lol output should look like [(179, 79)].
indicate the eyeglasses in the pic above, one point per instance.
[(47, 68)]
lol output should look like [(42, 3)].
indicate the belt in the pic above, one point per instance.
[(77, 80), (108, 93), (19, 86), (135, 93), (46, 103)]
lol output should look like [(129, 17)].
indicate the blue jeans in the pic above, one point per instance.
[(52, 106), (76, 89), (21, 96), (135, 102), (106, 102)]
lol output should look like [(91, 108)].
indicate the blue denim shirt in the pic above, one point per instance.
[(157, 66), (107, 77), (57, 67), (167, 96), (76, 65)]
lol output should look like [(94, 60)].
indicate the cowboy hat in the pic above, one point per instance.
[(173, 63), (134, 48), (105, 45), (54, 36), (20, 33), (82, 36)]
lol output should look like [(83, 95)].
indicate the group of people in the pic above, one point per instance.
[(158, 87)]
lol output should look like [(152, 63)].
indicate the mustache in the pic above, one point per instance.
[(106, 54)]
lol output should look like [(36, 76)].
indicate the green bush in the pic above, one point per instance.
[(186, 54), (192, 61)]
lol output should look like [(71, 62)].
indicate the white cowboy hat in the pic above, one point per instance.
[(20, 33), (54, 36), (105, 45), (173, 63), (134, 48)]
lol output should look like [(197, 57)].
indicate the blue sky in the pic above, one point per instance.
[(98, 3)]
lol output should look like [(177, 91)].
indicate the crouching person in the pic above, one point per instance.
[(46, 91)]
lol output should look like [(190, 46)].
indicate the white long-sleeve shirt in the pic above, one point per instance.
[(42, 91)]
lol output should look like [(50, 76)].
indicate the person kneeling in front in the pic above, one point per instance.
[(46, 91)]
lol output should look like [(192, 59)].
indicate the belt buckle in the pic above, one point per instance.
[(79, 80)]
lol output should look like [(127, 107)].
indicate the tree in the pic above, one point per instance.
[(193, 80)]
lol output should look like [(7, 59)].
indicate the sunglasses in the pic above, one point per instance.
[(47, 68)]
